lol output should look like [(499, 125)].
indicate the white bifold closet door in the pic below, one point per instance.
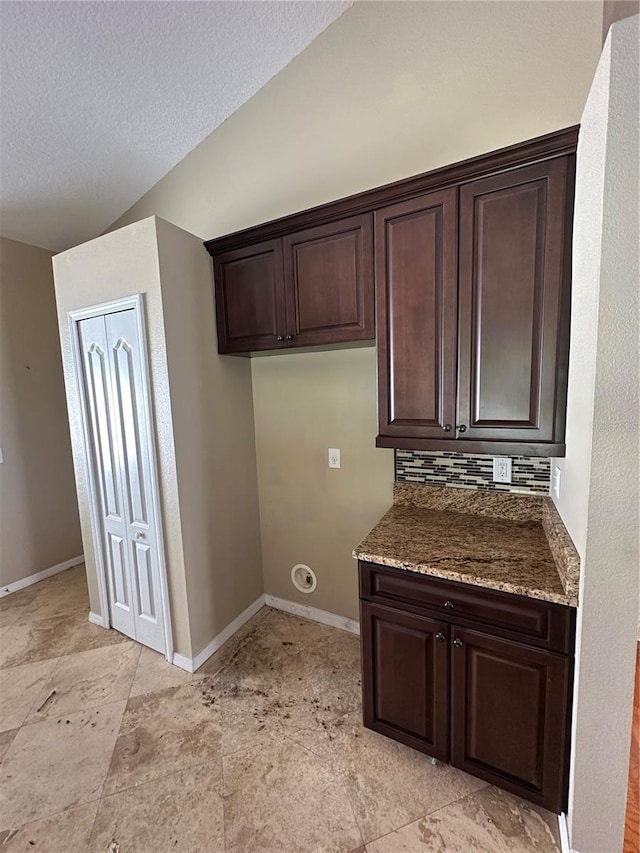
[(112, 368)]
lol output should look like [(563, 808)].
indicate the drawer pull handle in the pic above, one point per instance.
[(448, 604), (440, 637), (461, 428), (280, 338), (290, 337), (457, 643), (447, 427)]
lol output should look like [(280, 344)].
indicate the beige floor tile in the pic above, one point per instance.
[(86, 636), (87, 680), (289, 676), (65, 593), (165, 732), (267, 621), (490, 821), (20, 687), (66, 832), (10, 615), (6, 739), (390, 784), (39, 640), (13, 605), (181, 812), (153, 673), (57, 763), (280, 797)]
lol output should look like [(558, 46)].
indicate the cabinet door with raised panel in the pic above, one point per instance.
[(249, 289), (405, 688), (514, 275), (509, 708), (416, 303), (328, 274)]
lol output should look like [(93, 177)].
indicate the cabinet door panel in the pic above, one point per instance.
[(509, 710), (416, 302), (329, 282), (250, 298), (512, 271), (405, 678)]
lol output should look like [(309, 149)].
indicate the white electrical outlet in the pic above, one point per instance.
[(501, 469), (334, 457), (556, 481)]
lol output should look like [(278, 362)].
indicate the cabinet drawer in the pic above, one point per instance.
[(540, 623)]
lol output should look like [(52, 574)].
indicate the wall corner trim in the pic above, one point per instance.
[(563, 828), (313, 613), (96, 619), (193, 664), (303, 610), (40, 576)]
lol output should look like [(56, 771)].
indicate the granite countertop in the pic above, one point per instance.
[(501, 541)]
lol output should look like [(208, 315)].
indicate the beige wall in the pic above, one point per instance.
[(599, 499), (212, 412), (39, 525), (389, 90), (311, 514), (110, 267)]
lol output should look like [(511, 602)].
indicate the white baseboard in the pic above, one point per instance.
[(40, 576), (313, 613), (96, 619), (192, 664), (565, 846)]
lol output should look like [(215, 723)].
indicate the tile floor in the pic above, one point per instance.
[(105, 748)]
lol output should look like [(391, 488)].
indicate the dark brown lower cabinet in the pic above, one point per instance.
[(467, 693), (508, 715), (406, 669)]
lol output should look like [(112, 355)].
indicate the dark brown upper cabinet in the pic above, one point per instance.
[(477, 276), (512, 245), (416, 298), (313, 287), (328, 275), (250, 297)]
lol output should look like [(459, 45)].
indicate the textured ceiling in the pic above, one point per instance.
[(99, 100)]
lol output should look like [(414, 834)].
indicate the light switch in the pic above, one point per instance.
[(1, 456)]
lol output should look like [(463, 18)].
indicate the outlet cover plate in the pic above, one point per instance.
[(334, 457), (501, 469)]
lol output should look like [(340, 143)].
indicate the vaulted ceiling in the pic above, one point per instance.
[(99, 100)]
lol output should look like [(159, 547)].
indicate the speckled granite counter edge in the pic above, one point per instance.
[(472, 580), (513, 507), (563, 550)]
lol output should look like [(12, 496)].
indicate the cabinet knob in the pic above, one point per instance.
[(440, 637), (280, 338), (289, 337), (447, 427), (457, 643), (461, 428), (448, 604)]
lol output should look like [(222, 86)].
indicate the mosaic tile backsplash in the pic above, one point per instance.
[(529, 474)]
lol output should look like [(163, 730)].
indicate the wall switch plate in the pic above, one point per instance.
[(1, 456), (556, 481), (501, 469), (334, 457)]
